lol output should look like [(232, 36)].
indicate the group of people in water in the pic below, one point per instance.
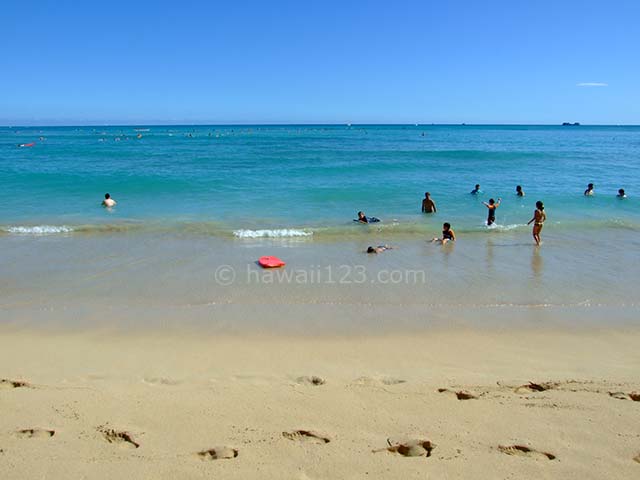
[(448, 235)]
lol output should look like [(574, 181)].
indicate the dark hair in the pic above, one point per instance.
[(539, 205), (518, 187), (477, 185), (107, 196), (590, 185), (371, 250), (360, 213), (491, 201), (427, 194), (446, 225), (621, 191)]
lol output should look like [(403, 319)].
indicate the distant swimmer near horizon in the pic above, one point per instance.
[(538, 220), (519, 191), (362, 218), (379, 249), (428, 205), (476, 190), (589, 191), (448, 235), (108, 201), (492, 206)]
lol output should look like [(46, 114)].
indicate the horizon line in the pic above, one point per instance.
[(305, 124)]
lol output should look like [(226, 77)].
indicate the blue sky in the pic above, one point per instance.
[(319, 62)]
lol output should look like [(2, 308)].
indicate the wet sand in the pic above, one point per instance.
[(446, 403)]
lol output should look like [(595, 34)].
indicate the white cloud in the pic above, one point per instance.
[(592, 84)]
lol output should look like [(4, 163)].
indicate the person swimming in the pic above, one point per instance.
[(492, 206), (476, 190), (621, 193), (108, 201), (448, 235), (379, 249), (538, 220), (428, 205), (362, 218), (590, 190), (519, 191)]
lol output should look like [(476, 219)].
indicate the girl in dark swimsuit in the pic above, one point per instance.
[(492, 205)]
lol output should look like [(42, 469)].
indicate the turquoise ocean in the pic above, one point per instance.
[(298, 180), (198, 205)]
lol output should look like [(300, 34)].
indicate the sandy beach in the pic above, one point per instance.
[(523, 403)]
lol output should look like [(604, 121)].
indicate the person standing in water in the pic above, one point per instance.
[(476, 190), (589, 191), (428, 205), (108, 201), (621, 193), (538, 220), (492, 206), (519, 191)]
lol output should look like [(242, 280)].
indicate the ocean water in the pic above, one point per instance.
[(311, 180), (198, 205)]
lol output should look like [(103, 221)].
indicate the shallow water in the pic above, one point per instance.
[(195, 213)]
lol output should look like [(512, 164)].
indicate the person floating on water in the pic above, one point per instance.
[(476, 190), (378, 249), (362, 218), (621, 193), (538, 220), (589, 191), (519, 191), (428, 205), (492, 206), (108, 201), (448, 235)]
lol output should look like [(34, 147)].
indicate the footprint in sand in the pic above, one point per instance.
[(409, 448), (635, 396), (524, 451), (35, 433), (313, 380), (218, 453), (118, 437), (306, 436), (637, 458), (536, 387), (460, 394), (4, 383)]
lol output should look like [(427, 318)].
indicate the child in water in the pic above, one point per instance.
[(378, 249), (538, 218), (589, 191), (519, 191), (492, 206), (448, 235)]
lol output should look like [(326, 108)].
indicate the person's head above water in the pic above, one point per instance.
[(491, 201), (361, 214), (107, 196), (371, 250), (621, 193), (518, 188), (446, 226), (539, 205), (590, 186), (427, 194), (477, 186)]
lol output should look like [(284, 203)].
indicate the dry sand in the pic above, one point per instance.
[(442, 404)]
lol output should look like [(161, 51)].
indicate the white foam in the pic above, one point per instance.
[(277, 233), (39, 230)]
